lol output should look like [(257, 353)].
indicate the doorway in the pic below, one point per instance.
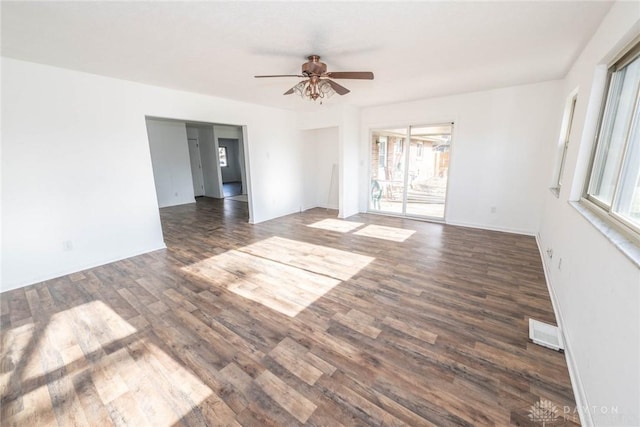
[(409, 170), (188, 165), (230, 161)]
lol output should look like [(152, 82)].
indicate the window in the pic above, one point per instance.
[(222, 152), (614, 180), (563, 145), (397, 146), (382, 153)]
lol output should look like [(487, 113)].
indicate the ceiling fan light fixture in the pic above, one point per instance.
[(299, 89), (325, 89), (317, 83), (313, 89)]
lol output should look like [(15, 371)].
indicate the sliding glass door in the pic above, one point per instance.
[(388, 170), (409, 170)]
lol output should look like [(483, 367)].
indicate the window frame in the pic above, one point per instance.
[(226, 157), (563, 142), (608, 211), (382, 153)]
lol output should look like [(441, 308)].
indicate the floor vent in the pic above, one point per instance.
[(545, 335)]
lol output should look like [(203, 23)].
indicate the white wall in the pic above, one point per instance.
[(596, 288), (196, 161), (76, 166), (243, 162), (170, 161), (210, 162), (350, 164), (500, 150), (321, 155), (211, 173)]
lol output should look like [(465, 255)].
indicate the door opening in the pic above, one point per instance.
[(188, 165), (231, 158), (409, 170)]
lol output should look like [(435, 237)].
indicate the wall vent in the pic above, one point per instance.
[(545, 335)]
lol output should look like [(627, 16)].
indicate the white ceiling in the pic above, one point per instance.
[(416, 49)]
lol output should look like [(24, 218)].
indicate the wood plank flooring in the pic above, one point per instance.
[(302, 320)]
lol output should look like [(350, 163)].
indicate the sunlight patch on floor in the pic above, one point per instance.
[(280, 287), (319, 259), (14, 345), (285, 275), (68, 336), (89, 348), (385, 233), (340, 226)]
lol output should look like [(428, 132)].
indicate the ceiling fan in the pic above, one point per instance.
[(317, 83)]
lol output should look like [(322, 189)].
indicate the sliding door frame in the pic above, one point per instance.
[(406, 154)]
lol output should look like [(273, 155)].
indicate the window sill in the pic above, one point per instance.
[(624, 244)]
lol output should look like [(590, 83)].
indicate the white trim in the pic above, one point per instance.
[(247, 172), (610, 227), (327, 206), (493, 228), (432, 219), (586, 419), (564, 139), (78, 269), (319, 206)]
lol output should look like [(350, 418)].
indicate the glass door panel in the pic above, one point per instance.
[(388, 171), (409, 170), (428, 160)]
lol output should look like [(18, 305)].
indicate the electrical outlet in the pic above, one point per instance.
[(550, 253), (493, 209), (67, 245)]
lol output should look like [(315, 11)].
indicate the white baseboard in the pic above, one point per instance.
[(492, 228), (576, 383), (321, 206), (179, 202), (324, 206)]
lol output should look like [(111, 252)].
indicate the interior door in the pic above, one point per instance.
[(196, 167)]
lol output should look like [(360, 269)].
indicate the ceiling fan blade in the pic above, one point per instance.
[(280, 75), (362, 75), (340, 90)]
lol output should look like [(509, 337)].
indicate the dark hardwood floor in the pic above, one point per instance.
[(231, 188), (302, 320)]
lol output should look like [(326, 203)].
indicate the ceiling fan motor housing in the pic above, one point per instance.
[(314, 66)]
